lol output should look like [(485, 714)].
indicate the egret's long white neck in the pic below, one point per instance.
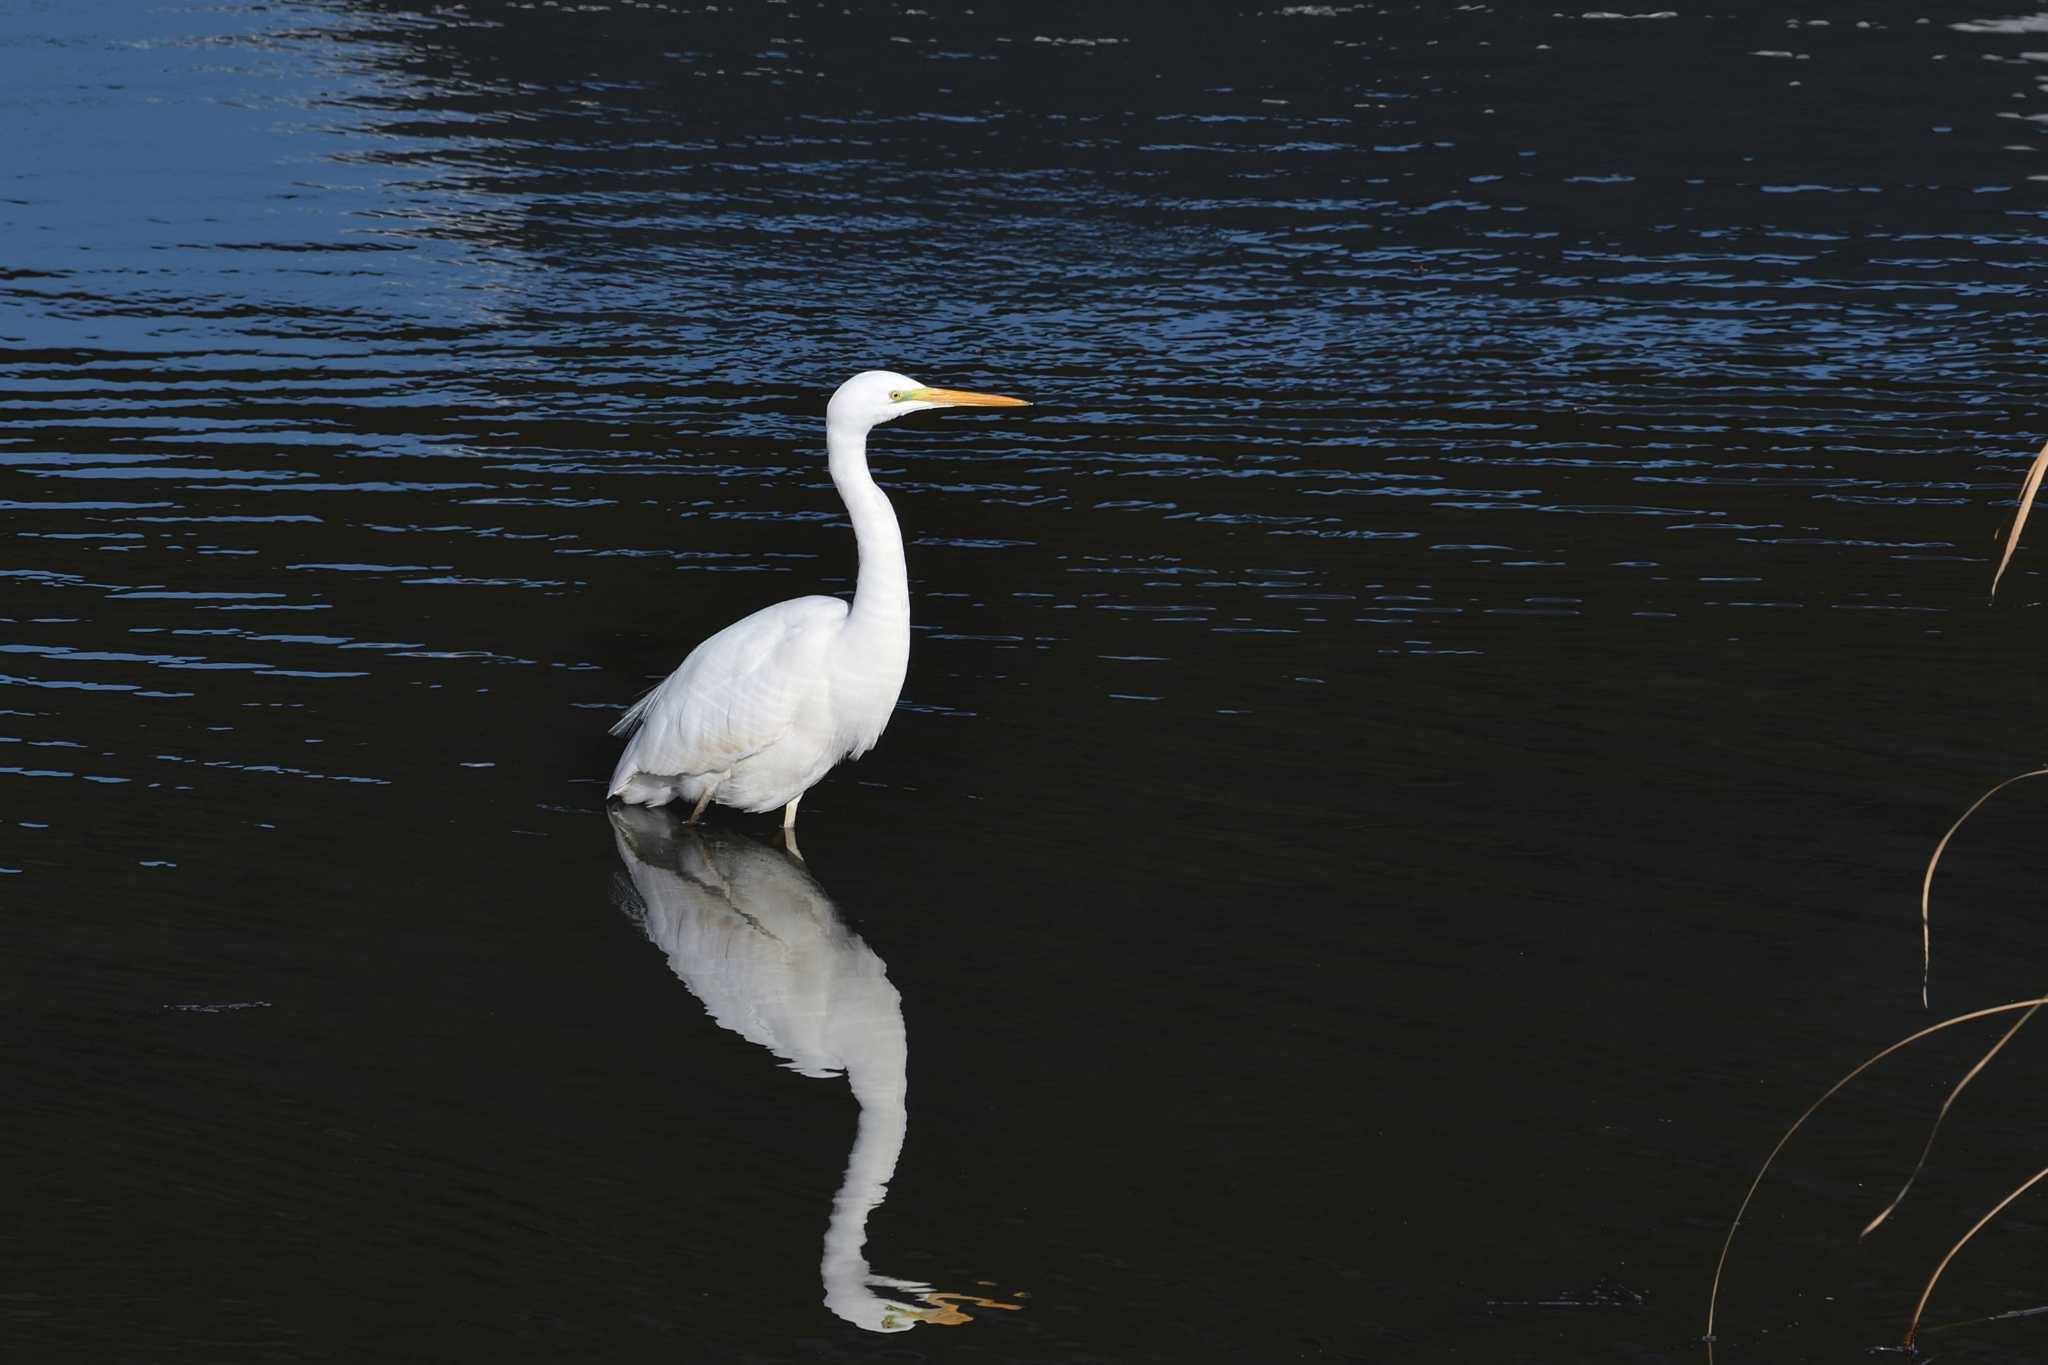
[(881, 595)]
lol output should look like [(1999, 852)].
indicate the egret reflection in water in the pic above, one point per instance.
[(757, 940)]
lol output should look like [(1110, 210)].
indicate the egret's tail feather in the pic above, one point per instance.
[(638, 789), (624, 724)]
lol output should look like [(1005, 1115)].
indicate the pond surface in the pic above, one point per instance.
[(1419, 751)]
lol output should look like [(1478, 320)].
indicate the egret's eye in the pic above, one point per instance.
[(896, 395)]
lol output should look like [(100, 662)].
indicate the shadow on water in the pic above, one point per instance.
[(761, 946)]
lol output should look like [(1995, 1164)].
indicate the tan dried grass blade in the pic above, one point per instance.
[(1942, 1117), (2028, 491), (1927, 882), (1720, 1266), (1913, 1328)]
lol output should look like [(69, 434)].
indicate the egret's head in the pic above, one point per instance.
[(876, 396)]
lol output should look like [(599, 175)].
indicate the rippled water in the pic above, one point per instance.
[(1418, 754)]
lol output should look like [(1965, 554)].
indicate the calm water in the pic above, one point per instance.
[(1418, 754)]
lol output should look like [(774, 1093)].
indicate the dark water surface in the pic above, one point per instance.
[(1418, 753)]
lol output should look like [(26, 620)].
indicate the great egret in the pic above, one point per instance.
[(763, 709), (757, 940)]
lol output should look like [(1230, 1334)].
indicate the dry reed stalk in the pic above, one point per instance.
[(1940, 1118), (1913, 1328), (1720, 1266), (2029, 489), (1927, 882)]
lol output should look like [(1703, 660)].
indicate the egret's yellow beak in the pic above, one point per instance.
[(963, 398)]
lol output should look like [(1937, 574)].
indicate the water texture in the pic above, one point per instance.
[(1418, 752)]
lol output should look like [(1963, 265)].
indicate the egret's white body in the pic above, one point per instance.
[(762, 710)]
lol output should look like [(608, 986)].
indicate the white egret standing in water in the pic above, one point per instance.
[(763, 709)]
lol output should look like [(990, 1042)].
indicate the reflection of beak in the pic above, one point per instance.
[(962, 398), (946, 1312)]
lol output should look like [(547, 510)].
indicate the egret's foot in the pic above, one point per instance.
[(697, 811)]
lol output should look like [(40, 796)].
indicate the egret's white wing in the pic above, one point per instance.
[(735, 695)]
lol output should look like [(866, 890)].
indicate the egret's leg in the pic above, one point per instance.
[(789, 842), (789, 813), (704, 800)]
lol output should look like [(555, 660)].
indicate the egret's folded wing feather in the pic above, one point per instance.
[(625, 724), (736, 694)]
